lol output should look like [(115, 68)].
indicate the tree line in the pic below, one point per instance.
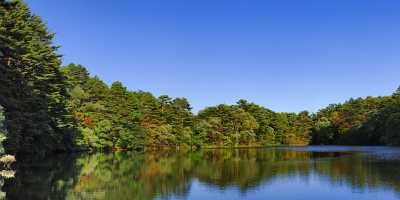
[(361, 121), (47, 107), (116, 118)]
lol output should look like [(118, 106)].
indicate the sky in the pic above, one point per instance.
[(287, 55)]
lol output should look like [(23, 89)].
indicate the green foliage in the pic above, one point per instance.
[(392, 127), (227, 125), (264, 133), (368, 121), (125, 119), (32, 87), (2, 121), (387, 122), (3, 135), (51, 108), (323, 132), (77, 75)]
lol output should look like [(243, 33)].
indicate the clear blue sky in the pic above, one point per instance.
[(285, 55)]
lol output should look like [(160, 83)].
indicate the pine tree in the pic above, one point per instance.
[(34, 93)]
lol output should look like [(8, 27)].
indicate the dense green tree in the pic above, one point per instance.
[(33, 88), (47, 108), (264, 133), (362, 121), (77, 74), (304, 124), (87, 104), (179, 116), (386, 123), (281, 126), (323, 132), (227, 125), (123, 116)]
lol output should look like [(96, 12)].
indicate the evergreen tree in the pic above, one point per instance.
[(46, 108), (34, 90)]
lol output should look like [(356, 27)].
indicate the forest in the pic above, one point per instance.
[(47, 107)]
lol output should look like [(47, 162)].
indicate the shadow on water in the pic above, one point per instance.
[(49, 178), (171, 174)]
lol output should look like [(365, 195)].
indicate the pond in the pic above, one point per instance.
[(332, 172)]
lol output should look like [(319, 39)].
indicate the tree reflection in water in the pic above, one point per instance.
[(153, 175)]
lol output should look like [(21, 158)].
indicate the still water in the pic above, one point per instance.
[(294, 173)]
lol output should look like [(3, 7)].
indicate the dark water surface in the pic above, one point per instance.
[(295, 173)]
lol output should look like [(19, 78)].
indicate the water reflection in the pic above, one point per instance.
[(170, 175)]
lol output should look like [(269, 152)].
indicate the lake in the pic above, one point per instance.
[(314, 172)]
